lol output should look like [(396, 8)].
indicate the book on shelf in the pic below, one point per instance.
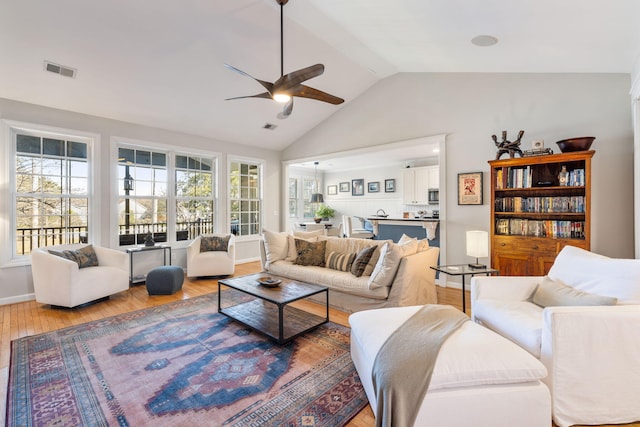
[(540, 228)]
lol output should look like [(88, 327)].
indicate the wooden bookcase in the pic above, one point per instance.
[(532, 216)]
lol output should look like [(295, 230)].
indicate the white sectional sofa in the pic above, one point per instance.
[(590, 348), (480, 379), (397, 274)]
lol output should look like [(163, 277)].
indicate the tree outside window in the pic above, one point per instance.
[(245, 192), (195, 203), (51, 196)]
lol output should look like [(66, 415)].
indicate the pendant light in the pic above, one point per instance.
[(317, 196)]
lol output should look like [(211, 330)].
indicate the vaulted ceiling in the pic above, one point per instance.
[(160, 63)]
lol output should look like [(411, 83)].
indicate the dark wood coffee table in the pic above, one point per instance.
[(269, 312)]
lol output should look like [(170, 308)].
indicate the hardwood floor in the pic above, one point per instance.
[(30, 318)]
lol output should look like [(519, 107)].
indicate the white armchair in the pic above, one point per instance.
[(211, 263), (592, 353), (61, 282)]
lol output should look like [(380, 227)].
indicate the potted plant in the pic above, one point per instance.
[(325, 212)]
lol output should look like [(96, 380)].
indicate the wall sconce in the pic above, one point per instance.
[(477, 246)]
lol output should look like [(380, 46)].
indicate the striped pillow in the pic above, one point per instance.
[(360, 263), (340, 261)]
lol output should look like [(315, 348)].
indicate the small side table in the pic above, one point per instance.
[(137, 249), (464, 270)]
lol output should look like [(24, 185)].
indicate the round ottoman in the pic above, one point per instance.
[(165, 280)]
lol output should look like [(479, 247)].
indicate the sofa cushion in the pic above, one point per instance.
[(520, 321), (214, 243), (275, 246), (310, 253), (308, 234), (597, 274), (550, 293), (361, 260), (387, 266), (84, 257), (472, 356), (339, 261), (336, 280)]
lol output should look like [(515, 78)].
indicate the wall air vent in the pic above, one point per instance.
[(269, 126), (59, 69)]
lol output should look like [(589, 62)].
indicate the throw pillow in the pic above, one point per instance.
[(552, 293), (275, 246), (360, 263), (84, 257), (310, 253), (214, 243), (389, 261), (339, 261), (292, 252)]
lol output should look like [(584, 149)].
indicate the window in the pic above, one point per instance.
[(245, 192), (293, 197), (142, 205), (308, 187), (50, 202), (195, 204)]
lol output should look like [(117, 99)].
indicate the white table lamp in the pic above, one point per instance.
[(477, 246)]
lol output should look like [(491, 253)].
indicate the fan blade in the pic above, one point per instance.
[(294, 78), (311, 93), (266, 95), (286, 111), (267, 85)]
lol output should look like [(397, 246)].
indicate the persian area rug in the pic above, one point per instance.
[(181, 364)]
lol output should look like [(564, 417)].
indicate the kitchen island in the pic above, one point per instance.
[(386, 228)]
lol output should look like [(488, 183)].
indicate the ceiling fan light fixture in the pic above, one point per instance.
[(281, 97)]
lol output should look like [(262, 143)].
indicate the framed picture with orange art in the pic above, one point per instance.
[(470, 188)]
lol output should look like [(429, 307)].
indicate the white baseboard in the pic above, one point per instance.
[(16, 299), (247, 260)]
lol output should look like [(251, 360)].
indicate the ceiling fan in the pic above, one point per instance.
[(289, 85)]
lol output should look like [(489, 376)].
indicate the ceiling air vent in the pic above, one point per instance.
[(59, 69), (269, 126)]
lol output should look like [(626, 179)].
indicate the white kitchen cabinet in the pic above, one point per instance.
[(415, 186), (434, 177)]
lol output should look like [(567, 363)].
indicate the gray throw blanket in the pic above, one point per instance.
[(404, 365)]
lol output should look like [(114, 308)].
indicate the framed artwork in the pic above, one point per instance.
[(389, 185), (357, 187), (332, 190), (374, 187), (344, 187), (470, 188)]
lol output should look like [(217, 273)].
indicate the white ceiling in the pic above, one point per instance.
[(160, 62)]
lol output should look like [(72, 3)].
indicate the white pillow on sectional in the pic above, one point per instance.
[(598, 274), (275, 246)]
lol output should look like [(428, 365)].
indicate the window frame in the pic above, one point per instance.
[(261, 163), (10, 129), (171, 151)]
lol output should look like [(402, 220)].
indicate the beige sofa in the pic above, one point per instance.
[(397, 274)]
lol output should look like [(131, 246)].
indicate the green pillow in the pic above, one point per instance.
[(552, 293)]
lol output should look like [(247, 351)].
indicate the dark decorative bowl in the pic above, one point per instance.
[(575, 144)]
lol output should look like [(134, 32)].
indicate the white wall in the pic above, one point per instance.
[(16, 282), (470, 107)]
